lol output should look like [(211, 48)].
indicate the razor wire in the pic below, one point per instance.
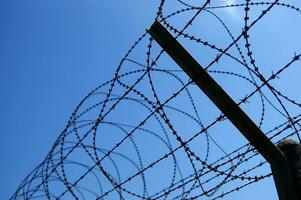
[(150, 133)]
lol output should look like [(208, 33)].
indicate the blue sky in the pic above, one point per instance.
[(54, 52)]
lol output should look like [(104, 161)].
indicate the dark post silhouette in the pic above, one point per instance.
[(283, 179), (292, 151)]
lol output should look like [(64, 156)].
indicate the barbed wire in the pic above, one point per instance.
[(149, 133)]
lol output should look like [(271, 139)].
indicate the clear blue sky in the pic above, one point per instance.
[(53, 52)]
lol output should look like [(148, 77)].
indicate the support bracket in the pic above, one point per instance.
[(283, 179)]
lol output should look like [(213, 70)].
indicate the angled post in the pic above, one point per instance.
[(283, 179)]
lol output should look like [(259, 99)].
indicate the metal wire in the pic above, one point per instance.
[(149, 133)]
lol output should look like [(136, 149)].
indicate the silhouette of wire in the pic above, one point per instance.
[(149, 133)]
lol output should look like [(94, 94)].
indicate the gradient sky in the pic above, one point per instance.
[(52, 53)]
